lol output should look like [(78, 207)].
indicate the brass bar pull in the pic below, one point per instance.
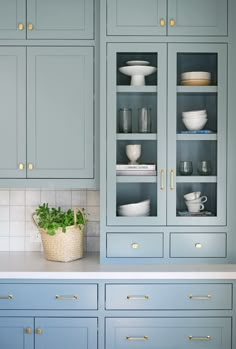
[(200, 298), (162, 22), (66, 298), (10, 296), (172, 180), (144, 338), (138, 297), (172, 22), (28, 330), (207, 338), (38, 331), (21, 26), (30, 26), (162, 186)]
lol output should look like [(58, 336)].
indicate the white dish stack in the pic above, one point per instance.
[(196, 78), (194, 120), (138, 209)]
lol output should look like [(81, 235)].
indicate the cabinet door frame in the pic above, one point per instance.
[(18, 16), (221, 51), (20, 325), (112, 50)]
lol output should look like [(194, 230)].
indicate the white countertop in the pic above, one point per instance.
[(33, 265)]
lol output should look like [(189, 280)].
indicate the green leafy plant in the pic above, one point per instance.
[(50, 219)]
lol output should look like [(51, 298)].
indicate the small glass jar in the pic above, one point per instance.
[(185, 168), (144, 120), (204, 168), (125, 120)]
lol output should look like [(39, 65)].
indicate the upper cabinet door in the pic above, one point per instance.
[(136, 17), (60, 112), (12, 112), (197, 17), (12, 19), (65, 19)]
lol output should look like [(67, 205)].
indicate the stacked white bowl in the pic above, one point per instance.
[(196, 78), (137, 209), (194, 120)]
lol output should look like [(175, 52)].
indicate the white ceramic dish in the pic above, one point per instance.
[(192, 196), (137, 73), (194, 113), (137, 63), (198, 75), (194, 124), (141, 208)]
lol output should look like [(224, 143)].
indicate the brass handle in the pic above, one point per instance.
[(135, 245), (172, 180), (30, 26), (144, 338), (21, 26), (162, 186), (198, 245), (30, 167), (162, 22), (207, 338), (28, 330), (138, 297), (38, 331), (66, 298), (10, 296), (203, 298), (172, 22), (21, 166)]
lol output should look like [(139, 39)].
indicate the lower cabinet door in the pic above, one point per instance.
[(16, 333), (168, 333), (61, 333)]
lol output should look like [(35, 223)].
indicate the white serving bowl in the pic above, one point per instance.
[(141, 208), (192, 196), (198, 75), (194, 124), (137, 73), (194, 113)]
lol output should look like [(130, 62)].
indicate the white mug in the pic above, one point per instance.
[(192, 196), (194, 207), (201, 200)]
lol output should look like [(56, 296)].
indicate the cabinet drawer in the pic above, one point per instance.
[(134, 245), (48, 296), (198, 245), (168, 296), (184, 333)]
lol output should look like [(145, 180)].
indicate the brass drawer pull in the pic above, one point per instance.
[(66, 298), (144, 338), (207, 338), (172, 180), (138, 297), (162, 186), (10, 296), (202, 298)]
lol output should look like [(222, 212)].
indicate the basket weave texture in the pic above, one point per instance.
[(63, 247)]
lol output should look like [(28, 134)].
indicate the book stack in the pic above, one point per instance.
[(136, 170)]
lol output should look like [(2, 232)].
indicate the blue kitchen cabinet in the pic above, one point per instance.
[(167, 17), (16, 333), (47, 19), (13, 112)]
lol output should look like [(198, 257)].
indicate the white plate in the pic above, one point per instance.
[(137, 62)]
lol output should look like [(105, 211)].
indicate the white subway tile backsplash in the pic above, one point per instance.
[(4, 213), (93, 213), (78, 198), (17, 228), (17, 197), (63, 198), (93, 229), (4, 244), (48, 196), (32, 197), (17, 243), (4, 197), (17, 213), (93, 198), (4, 228), (93, 244)]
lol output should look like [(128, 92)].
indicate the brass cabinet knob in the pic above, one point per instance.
[(21, 166), (172, 22), (38, 331), (21, 26), (30, 166), (30, 26), (162, 22), (28, 330)]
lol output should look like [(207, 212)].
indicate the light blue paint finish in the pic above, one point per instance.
[(198, 245), (66, 19), (60, 112), (12, 13), (13, 335), (12, 112), (134, 245)]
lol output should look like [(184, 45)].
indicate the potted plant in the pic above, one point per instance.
[(61, 232)]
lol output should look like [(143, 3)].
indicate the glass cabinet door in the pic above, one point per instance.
[(197, 134), (136, 134)]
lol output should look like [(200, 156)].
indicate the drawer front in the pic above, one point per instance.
[(198, 245), (168, 296), (48, 296), (135, 245), (184, 333)]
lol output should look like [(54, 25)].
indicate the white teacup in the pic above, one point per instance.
[(194, 207), (192, 196), (201, 200)]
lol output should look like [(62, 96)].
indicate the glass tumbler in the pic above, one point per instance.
[(125, 120), (144, 120), (204, 168), (185, 168)]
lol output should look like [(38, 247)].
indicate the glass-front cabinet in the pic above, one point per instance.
[(166, 134)]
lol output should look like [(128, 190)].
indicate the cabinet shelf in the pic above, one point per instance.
[(136, 179), (137, 136), (197, 137), (135, 89), (197, 89), (196, 179)]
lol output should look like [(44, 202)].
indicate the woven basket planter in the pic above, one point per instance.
[(63, 247)]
